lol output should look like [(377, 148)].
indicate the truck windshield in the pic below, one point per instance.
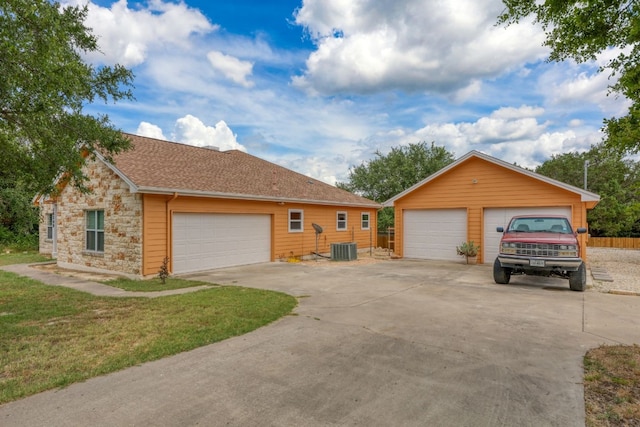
[(540, 225)]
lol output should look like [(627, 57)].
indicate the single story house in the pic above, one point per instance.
[(468, 199), (198, 207)]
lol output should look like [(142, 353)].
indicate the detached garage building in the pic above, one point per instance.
[(468, 199), (197, 207)]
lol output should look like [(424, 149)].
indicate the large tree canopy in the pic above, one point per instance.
[(581, 30), (44, 85), (614, 178), (387, 175)]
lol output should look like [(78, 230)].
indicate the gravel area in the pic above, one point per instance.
[(623, 265)]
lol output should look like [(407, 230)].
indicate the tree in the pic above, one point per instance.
[(614, 178), (44, 86), (18, 218), (387, 175), (581, 30)]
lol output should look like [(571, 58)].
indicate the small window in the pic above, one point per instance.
[(94, 231), (51, 222), (365, 220), (341, 221), (296, 221)]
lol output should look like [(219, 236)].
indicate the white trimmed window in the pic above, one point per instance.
[(341, 221), (94, 231), (365, 220), (296, 221), (51, 223)]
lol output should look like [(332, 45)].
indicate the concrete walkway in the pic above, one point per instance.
[(94, 288), (409, 343)]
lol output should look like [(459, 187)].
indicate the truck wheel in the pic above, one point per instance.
[(578, 279), (501, 275)]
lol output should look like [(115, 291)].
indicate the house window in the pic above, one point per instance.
[(94, 231), (51, 222), (296, 221), (341, 221), (365, 220)]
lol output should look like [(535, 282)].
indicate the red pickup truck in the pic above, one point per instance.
[(540, 246)]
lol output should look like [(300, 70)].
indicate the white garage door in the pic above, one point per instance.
[(434, 233), (206, 241), (499, 217)]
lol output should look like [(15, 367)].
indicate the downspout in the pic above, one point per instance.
[(169, 232)]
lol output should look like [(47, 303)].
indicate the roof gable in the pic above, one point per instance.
[(585, 196), (163, 167)]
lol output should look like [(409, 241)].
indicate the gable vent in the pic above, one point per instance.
[(344, 251)]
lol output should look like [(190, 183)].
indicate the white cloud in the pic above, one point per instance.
[(191, 130), (574, 89), (523, 111), (572, 85), (232, 68), (126, 36), (150, 130), (510, 134), (412, 45)]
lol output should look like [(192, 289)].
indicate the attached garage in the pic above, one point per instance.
[(432, 233), (499, 217), (469, 198), (203, 241)]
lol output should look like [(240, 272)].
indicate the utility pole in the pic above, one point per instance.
[(586, 165)]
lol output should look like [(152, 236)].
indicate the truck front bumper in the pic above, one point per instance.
[(516, 261)]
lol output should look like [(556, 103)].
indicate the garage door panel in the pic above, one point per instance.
[(499, 217), (434, 233), (207, 241)]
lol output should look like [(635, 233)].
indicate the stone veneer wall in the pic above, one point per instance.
[(122, 223)]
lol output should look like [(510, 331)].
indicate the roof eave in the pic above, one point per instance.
[(236, 196)]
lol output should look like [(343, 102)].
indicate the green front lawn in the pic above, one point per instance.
[(53, 336), (21, 257)]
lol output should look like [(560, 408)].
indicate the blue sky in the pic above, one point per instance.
[(319, 86)]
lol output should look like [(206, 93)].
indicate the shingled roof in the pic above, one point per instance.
[(163, 167)]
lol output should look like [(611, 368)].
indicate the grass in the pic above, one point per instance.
[(154, 284), (612, 386), (54, 336), (21, 257)]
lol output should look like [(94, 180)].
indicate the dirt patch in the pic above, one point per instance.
[(623, 265), (84, 275)]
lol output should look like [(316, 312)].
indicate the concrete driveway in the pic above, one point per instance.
[(409, 343)]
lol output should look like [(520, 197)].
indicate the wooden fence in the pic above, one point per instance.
[(614, 242), (384, 238)]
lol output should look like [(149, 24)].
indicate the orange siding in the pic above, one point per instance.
[(476, 185), (154, 233), (158, 212)]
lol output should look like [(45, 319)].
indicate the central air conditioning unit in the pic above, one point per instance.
[(344, 251)]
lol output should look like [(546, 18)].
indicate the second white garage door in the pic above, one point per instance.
[(434, 233), (499, 217), (206, 241)]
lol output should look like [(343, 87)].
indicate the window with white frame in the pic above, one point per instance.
[(94, 231), (341, 221), (365, 220), (296, 221), (51, 223)]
